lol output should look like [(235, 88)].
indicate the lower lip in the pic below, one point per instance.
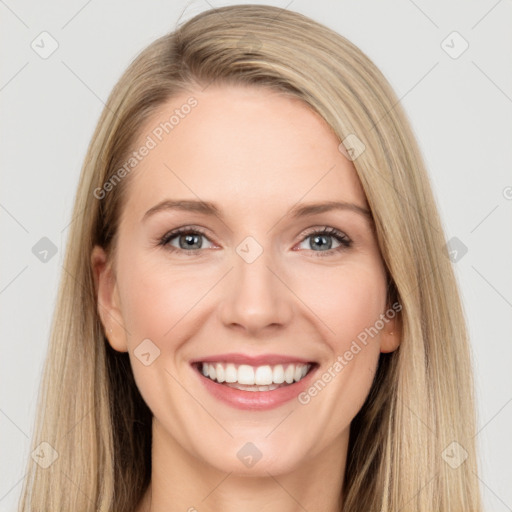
[(255, 400)]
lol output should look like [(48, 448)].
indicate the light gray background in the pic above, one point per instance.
[(460, 109)]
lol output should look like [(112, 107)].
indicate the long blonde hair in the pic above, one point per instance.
[(90, 411)]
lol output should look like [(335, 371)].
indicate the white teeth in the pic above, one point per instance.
[(245, 374), (243, 387), (263, 375), (219, 370), (288, 374), (231, 373), (278, 374), (260, 378)]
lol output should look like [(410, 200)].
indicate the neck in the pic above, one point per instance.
[(181, 482)]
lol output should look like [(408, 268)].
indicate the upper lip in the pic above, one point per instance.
[(251, 360)]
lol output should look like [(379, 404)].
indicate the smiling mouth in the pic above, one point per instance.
[(254, 378)]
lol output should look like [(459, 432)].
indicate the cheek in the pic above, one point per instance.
[(157, 303), (346, 300), (156, 297), (349, 302)]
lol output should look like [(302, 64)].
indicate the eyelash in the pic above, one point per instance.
[(343, 239)]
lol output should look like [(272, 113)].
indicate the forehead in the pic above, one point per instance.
[(241, 145)]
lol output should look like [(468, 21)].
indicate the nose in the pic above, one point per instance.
[(256, 299)]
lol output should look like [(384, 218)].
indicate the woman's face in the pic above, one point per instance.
[(250, 285)]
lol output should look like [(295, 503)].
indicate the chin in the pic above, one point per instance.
[(257, 458)]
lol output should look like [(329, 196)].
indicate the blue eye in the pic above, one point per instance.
[(323, 239), (190, 241)]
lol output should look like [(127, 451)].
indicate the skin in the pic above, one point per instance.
[(256, 154)]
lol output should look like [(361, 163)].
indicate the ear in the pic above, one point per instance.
[(391, 334), (107, 296)]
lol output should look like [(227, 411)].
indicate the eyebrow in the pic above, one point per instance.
[(209, 208)]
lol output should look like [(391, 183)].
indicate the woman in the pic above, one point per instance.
[(257, 311)]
